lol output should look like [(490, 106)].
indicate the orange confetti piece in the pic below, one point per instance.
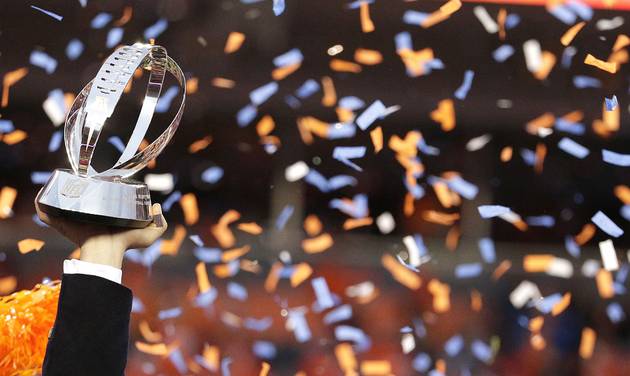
[(537, 263), (273, 277), (506, 154), (603, 65), (171, 246), (445, 115), (250, 228), (285, 71), (190, 208), (192, 85), (147, 333), (223, 83), (376, 135), (318, 244), (264, 370), (367, 26), (7, 199), (443, 194), (346, 358), (250, 266), (541, 152), (29, 245), (622, 41), (352, 223), (440, 366), (222, 232), (199, 145), (440, 218), (7, 285), (442, 14), (621, 191), (368, 57), (126, 16), (501, 17), (476, 301), (233, 254), (223, 271), (10, 79), (234, 42), (452, 238), (300, 274), (546, 65), (339, 65), (330, 95), (610, 119), (538, 342), (265, 126), (376, 368), (586, 234), (536, 324), (587, 343), (202, 277), (212, 356), (559, 307), (400, 273), (503, 267), (309, 126), (604, 282), (408, 205), (14, 137), (152, 349), (546, 120), (570, 34), (441, 295), (312, 225)]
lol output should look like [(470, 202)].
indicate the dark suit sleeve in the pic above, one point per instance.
[(91, 331)]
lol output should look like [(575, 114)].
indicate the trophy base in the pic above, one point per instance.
[(121, 203)]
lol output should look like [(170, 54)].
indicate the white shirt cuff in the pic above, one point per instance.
[(99, 270)]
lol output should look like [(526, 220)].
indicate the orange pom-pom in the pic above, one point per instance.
[(27, 317)]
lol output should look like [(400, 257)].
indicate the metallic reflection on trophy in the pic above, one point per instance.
[(109, 197)]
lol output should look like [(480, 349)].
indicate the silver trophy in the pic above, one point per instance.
[(109, 197)]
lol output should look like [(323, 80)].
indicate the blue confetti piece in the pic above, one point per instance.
[(284, 216), (356, 4), (581, 9), (308, 88), (454, 345), (278, 7), (136, 305), (607, 225), (571, 246), (585, 82), (236, 291), (416, 191), (6, 126), (463, 90), (156, 29), (208, 255), (541, 221), (300, 327), (117, 142), (100, 20), (43, 60), (40, 177), (615, 312), (164, 102), (567, 57), (345, 153), (212, 175), (352, 334), (481, 351), (421, 362), (486, 248), (264, 349), (338, 314), (74, 49), (412, 17), (625, 212), (322, 293), (48, 13), (114, 36), (170, 313), (622, 273), (403, 41), (206, 299), (170, 200), (512, 20), (564, 14), (467, 190), (470, 270), (611, 103), (291, 57), (37, 221), (258, 325), (546, 304), (178, 361), (571, 147), (358, 208), (263, 93), (616, 159), (328, 185), (375, 111), (502, 53), (563, 125), (529, 157), (490, 211), (351, 103), (341, 130), (292, 102), (246, 115)]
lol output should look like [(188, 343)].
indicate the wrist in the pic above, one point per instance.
[(103, 250)]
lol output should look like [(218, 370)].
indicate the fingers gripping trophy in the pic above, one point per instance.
[(109, 197)]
